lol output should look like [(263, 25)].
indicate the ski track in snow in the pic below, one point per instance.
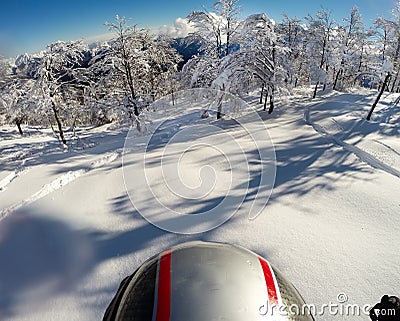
[(361, 154), (56, 184), (9, 178), (387, 146), (13, 175)]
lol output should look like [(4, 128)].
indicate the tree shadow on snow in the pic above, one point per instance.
[(347, 112), (39, 257), (299, 170), (42, 257), (30, 154)]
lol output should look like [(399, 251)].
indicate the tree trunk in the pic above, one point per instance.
[(271, 99), (395, 81), (355, 81), (272, 86), (262, 93), (265, 101), (18, 123), (379, 95), (219, 111), (361, 59), (219, 107), (392, 84), (271, 104), (59, 124), (336, 79), (73, 125), (129, 78), (315, 90), (228, 35)]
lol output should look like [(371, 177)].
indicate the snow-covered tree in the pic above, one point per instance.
[(101, 98), (385, 73), (292, 33), (265, 51), (200, 71), (389, 54), (162, 61), (367, 53), (4, 70), (319, 45), (259, 59), (383, 30), (387, 44), (216, 30), (129, 72), (58, 71), (3, 80), (351, 42), (395, 44), (233, 77), (17, 102), (126, 56), (229, 11)]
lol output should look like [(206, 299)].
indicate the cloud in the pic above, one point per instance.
[(181, 28)]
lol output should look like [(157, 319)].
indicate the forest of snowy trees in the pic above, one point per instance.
[(71, 83)]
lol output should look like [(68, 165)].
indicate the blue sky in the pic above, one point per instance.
[(29, 25)]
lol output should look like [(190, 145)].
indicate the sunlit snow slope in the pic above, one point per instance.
[(69, 232)]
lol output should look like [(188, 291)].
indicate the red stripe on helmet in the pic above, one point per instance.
[(270, 282), (164, 288)]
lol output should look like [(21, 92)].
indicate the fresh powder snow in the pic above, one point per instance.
[(69, 232)]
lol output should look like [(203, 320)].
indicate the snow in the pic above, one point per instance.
[(372, 142), (69, 232)]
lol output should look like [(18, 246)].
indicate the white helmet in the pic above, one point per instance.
[(201, 281)]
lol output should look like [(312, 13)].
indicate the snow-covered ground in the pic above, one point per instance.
[(69, 233)]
